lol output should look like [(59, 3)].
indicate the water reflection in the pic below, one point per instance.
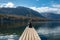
[(49, 30), (9, 37)]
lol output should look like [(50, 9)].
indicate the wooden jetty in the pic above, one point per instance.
[(29, 34)]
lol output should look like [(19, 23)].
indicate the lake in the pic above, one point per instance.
[(49, 30)]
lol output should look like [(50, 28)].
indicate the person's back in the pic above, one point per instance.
[(30, 25)]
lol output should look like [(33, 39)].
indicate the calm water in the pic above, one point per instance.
[(47, 31)]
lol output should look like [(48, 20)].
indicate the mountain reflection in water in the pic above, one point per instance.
[(47, 31), (50, 30)]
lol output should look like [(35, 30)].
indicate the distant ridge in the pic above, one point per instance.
[(20, 11), (51, 15)]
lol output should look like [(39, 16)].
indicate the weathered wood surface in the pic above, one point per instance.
[(29, 34)]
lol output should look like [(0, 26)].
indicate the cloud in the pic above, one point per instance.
[(1, 5), (54, 8), (9, 4), (46, 9), (56, 5)]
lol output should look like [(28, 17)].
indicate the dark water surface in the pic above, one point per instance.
[(49, 30)]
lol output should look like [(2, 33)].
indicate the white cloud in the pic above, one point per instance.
[(56, 5), (1, 5), (9, 4), (40, 9), (46, 9)]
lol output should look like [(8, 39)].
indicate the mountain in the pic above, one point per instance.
[(20, 11), (51, 15)]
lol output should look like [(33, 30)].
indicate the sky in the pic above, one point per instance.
[(37, 5)]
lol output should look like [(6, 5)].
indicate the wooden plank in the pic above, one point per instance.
[(29, 34)]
